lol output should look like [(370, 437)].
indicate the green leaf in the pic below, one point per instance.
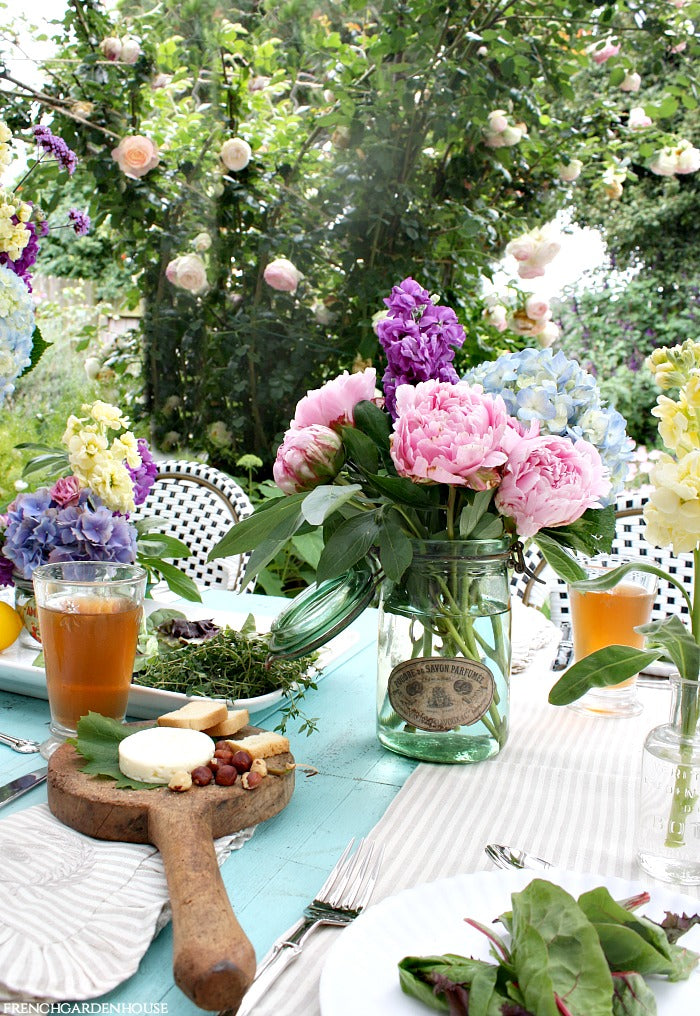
[(602, 668), (180, 584), (39, 347), (395, 547), (282, 515), (373, 422), (98, 742), (324, 500), (560, 560), (360, 449), (54, 461), (489, 527), (671, 635), (592, 534), (473, 511), (159, 545), (349, 544), (404, 491)]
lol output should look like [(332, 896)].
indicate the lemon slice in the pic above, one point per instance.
[(10, 625)]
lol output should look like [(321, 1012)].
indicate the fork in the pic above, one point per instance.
[(20, 744), (344, 894)]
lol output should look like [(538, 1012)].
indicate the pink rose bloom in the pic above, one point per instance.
[(537, 308), (131, 50), (631, 82), (602, 53), (281, 274), (306, 458), (497, 316), (498, 121), (66, 491), (136, 155), (111, 47), (332, 405), (549, 481), (449, 433), (187, 272), (638, 119), (534, 250)]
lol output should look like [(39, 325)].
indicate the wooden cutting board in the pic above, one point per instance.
[(213, 961)]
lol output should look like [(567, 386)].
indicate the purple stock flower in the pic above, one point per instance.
[(27, 258), (144, 476), (57, 147), (405, 297), (419, 339), (80, 221), (6, 569)]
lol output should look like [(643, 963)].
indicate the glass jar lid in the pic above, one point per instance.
[(321, 611)]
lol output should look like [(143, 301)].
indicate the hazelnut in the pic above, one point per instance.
[(259, 766), (224, 756), (180, 782), (226, 776), (202, 776), (222, 746), (242, 760), (251, 780)]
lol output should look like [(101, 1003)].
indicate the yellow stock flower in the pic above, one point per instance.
[(126, 447), (111, 482), (672, 514), (106, 414), (86, 447)]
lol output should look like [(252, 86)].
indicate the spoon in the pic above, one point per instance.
[(511, 857), (20, 744)]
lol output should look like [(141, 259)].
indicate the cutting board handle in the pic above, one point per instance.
[(213, 961)]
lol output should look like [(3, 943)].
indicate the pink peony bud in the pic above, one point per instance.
[(307, 458), (111, 47), (281, 274)]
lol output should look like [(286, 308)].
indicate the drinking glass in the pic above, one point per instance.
[(608, 618), (89, 620)]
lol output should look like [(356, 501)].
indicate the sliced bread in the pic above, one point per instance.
[(195, 715), (236, 719), (261, 745)]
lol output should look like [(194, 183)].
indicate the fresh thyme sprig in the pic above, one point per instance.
[(232, 665)]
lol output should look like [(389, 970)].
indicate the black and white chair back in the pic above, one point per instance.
[(200, 504)]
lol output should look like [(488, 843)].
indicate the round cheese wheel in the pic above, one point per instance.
[(156, 754)]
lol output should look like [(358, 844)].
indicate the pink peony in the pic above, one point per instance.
[(66, 491), (306, 458), (281, 274), (550, 482), (333, 404), (449, 433), (136, 155)]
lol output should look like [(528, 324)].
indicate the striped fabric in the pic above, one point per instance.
[(565, 787), (76, 914)]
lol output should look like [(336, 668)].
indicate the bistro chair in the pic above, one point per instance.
[(200, 504), (542, 584)]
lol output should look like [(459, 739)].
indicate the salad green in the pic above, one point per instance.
[(565, 957)]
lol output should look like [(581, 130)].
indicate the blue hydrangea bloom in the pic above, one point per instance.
[(538, 384), (16, 329)]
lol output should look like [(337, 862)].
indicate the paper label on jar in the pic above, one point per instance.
[(440, 693)]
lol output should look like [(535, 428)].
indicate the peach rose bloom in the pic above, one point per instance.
[(136, 155)]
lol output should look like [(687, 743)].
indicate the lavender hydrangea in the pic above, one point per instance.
[(537, 384), (39, 531), (16, 329), (144, 476), (53, 145), (419, 339)]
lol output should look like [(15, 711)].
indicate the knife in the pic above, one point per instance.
[(566, 648), (15, 788)]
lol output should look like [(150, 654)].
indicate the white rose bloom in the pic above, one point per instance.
[(548, 335), (631, 82), (571, 171), (235, 154), (202, 242), (687, 158), (131, 50), (189, 273), (664, 162)]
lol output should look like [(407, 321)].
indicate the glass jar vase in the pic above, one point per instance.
[(444, 652), (25, 605), (668, 830)]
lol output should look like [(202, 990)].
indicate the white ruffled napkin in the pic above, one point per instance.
[(77, 914)]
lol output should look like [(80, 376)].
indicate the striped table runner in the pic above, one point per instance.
[(565, 787)]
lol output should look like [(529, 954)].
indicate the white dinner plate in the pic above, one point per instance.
[(361, 974), (18, 674)]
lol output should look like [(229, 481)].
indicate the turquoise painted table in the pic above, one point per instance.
[(273, 876)]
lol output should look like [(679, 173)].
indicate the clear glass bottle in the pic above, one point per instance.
[(668, 829), (444, 653)]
